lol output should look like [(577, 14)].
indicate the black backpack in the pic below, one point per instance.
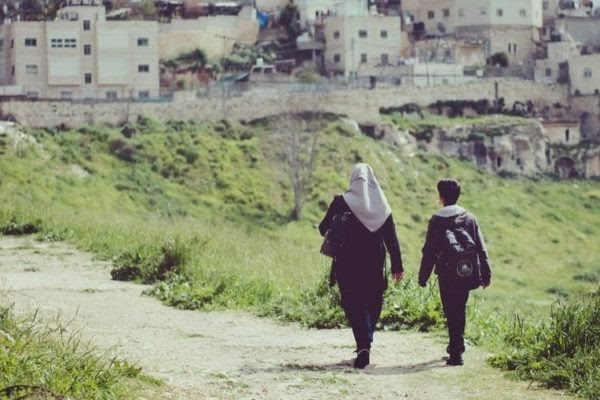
[(462, 269), (337, 235)]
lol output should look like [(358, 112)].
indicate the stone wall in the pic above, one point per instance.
[(360, 105), (587, 110)]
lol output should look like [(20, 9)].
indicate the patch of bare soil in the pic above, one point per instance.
[(232, 355)]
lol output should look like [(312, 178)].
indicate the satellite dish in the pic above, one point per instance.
[(441, 27)]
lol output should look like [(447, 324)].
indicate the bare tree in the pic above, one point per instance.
[(297, 135)]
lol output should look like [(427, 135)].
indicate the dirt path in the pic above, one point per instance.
[(233, 355)]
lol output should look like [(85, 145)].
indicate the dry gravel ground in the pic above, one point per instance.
[(233, 355)]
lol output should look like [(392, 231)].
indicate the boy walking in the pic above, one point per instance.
[(455, 246)]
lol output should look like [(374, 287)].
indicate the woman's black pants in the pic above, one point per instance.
[(362, 311)]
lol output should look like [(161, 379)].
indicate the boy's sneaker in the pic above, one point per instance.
[(362, 359), (455, 360)]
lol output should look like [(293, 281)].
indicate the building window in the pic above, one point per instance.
[(523, 12), (1, 44), (548, 72), (446, 12), (567, 133), (545, 4), (32, 95), (86, 25), (514, 48), (31, 69), (143, 42), (87, 49), (65, 95), (12, 43), (143, 68), (30, 42), (430, 14), (87, 78), (336, 34), (362, 34), (70, 43), (336, 58), (385, 59), (461, 12), (483, 10), (587, 73), (56, 43), (112, 95), (144, 94), (12, 70), (384, 34), (499, 12), (363, 58)]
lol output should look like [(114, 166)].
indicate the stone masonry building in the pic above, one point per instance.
[(80, 55)]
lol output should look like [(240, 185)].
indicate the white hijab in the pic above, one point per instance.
[(366, 199)]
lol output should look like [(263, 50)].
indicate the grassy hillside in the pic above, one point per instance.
[(203, 208)]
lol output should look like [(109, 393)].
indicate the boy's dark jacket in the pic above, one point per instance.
[(449, 217)]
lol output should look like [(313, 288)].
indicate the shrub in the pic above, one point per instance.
[(19, 223), (561, 354), (122, 150), (149, 264)]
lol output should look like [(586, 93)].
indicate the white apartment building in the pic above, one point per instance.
[(311, 10), (584, 74), (362, 46), (507, 26), (80, 55), (548, 70)]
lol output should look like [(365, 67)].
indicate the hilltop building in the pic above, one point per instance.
[(80, 55), (512, 27)]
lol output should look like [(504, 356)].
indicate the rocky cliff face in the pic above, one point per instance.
[(506, 148), (511, 148)]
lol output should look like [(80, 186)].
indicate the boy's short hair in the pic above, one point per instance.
[(449, 189)]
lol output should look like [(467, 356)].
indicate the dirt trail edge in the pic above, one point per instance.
[(233, 355)]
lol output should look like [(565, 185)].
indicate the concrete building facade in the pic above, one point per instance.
[(584, 74), (362, 45), (507, 26), (216, 34), (80, 55), (552, 68), (562, 132)]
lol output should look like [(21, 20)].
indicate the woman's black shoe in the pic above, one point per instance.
[(362, 359), (455, 360)]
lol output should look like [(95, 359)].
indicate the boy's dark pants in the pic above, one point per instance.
[(455, 305), (363, 311)]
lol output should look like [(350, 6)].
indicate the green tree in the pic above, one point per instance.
[(500, 59), (148, 9)]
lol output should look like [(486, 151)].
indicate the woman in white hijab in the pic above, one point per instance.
[(360, 268)]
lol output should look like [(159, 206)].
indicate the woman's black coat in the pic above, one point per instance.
[(360, 268)]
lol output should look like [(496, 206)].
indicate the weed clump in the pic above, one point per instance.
[(562, 354), (19, 223), (40, 361), (150, 264)]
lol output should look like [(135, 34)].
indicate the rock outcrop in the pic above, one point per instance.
[(505, 148)]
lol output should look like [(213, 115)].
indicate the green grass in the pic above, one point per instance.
[(43, 361), (563, 353), (203, 211)]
